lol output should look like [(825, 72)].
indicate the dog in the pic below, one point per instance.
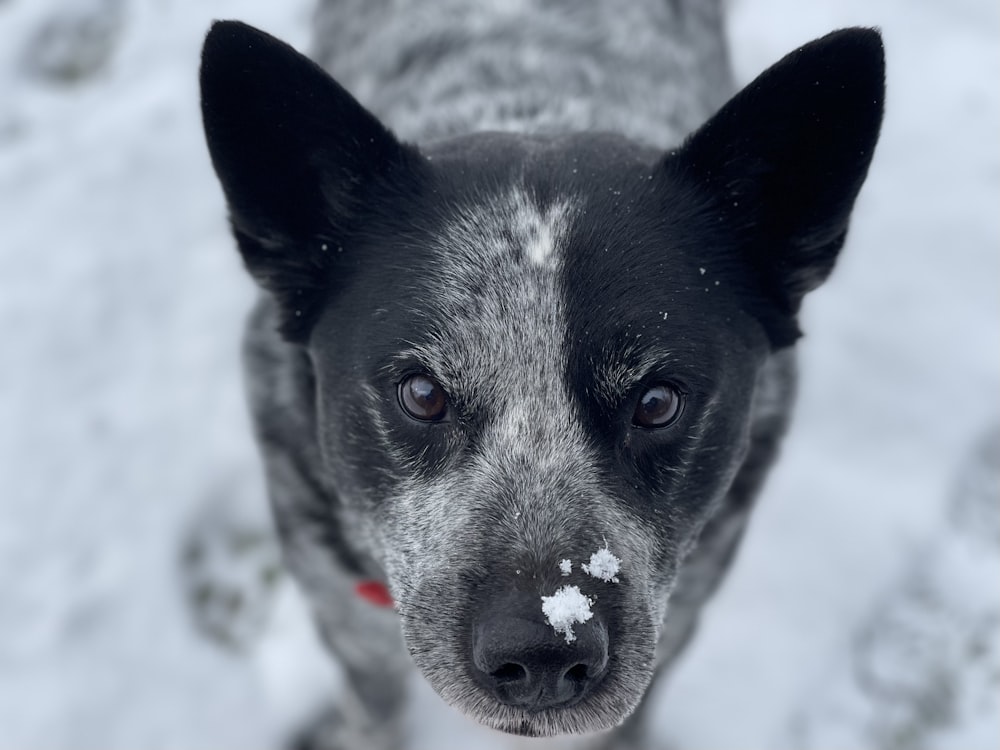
[(517, 387)]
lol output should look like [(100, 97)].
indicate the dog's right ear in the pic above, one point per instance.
[(299, 160), (785, 159)]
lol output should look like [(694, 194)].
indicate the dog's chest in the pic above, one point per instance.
[(647, 69)]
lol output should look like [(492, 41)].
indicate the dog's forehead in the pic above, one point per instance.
[(557, 265), (510, 230), (499, 249), (495, 316)]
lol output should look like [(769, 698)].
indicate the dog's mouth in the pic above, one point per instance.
[(533, 727), (603, 708), (549, 687), (570, 650)]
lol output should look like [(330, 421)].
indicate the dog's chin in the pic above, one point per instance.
[(549, 723), (607, 707), (583, 718)]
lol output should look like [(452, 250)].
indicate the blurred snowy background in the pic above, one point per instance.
[(864, 612)]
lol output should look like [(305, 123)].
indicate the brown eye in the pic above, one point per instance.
[(422, 398), (659, 406)]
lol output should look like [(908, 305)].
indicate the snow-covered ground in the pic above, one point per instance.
[(865, 609)]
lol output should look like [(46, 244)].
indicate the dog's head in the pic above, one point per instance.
[(536, 358)]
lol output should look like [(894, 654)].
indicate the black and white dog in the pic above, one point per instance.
[(521, 383)]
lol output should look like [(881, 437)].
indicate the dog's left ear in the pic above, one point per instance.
[(785, 158), (302, 163)]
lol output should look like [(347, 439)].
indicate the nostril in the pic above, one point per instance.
[(520, 661), (509, 673), (578, 674)]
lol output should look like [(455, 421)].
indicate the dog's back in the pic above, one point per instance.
[(652, 70)]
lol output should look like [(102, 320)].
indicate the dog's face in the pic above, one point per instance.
[(532, 372), (536, 358)]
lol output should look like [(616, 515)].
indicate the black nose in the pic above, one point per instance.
[(524, 662)]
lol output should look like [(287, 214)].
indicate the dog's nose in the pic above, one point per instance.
[(524, 662)]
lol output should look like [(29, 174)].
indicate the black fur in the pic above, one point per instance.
[(303, 164)]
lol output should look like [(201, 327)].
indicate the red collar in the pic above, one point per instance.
[(374, 592)]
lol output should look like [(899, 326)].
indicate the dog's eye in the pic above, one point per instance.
[(659, 406), (422, 398)]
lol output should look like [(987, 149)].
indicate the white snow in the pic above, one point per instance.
[(923, 664), (565, 608), (566, 567), (121, 408), (603, 565)]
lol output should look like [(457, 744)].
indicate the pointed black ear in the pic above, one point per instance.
[(299, 160), (786, 157)]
